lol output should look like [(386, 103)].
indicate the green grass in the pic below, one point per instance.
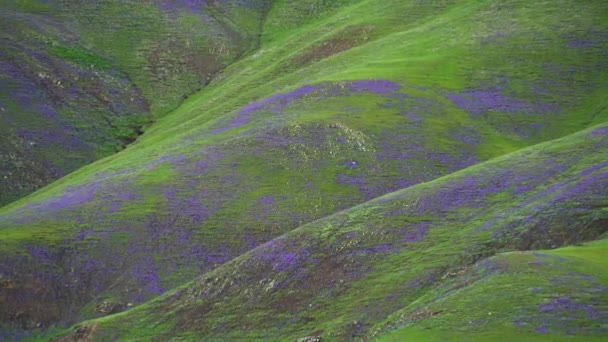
[(507, 333), (80, 56), (480, 303), (289, 168), (507, 296), (69, 76)]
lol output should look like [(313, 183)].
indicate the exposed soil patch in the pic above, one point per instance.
[(81, 334), (344, 40)]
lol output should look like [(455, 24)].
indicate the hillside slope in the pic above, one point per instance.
[(81, 79), (341, 276), (557, 295), (342, 102)]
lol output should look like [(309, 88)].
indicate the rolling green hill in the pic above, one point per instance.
[(537, 296), (274, 186), (427, 249)]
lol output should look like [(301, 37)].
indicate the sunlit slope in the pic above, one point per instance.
[(485, 58), (352, 102), (557, 295), (80, 80), (343, 276)]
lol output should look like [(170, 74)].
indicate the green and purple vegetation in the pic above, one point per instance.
[(81, 80), (403, 263), (350, 169)]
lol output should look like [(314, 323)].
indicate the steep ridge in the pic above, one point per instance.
[(340, 276), (336, 107), (80, 80)]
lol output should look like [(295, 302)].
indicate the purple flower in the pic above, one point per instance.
[(279, 256), (279, 101), (581, 44), (595, 183), (187, 206), (193, 6), (478, 102), (599, 132), (593, 168), (72, 196), (266, 200), (522, 189), (276, 103), (41, 254), (415, 232), (566, 305), (403, 183), (374, 86), (350, 180)]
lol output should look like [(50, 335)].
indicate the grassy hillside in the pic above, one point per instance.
[(424, 249), (81, 80), (62, 105), (342, 102), (555, 295)]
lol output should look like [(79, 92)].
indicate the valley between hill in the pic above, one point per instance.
[(350, 170)]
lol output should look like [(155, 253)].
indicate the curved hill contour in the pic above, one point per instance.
[(346, 174), (419, 257)]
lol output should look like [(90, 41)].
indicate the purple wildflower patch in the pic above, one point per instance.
[(478, 102), (71, 197), (593, 184), (148, 278), (47, 112), (413, 117), (54, 135), (593, 169), (190, 207), (543, 329), (375, 86), (522, 189), (267, 200), (350, 180), (40, 254), (468, 191), (593, 39), (277, 103), (565, 306), (599, 132), (192, 6), (280, 258), (415, 232), (580, 44), (490, 267)]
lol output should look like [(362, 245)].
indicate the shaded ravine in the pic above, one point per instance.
[(69, 98)]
